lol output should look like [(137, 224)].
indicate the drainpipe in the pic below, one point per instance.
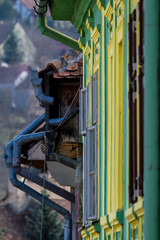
[(21, 140), (16, 183), (37, 85), (8, 152), (151, 103), (40, 10)]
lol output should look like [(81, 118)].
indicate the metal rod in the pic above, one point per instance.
[(69, 162), (50, 186), (16, 183)]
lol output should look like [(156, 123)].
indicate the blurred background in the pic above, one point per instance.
[(22, 47)]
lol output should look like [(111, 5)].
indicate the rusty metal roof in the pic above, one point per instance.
[(69, 65)]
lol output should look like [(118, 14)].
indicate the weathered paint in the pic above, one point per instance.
[(58, 36), (151, 148), (103, 25), (56, 7)]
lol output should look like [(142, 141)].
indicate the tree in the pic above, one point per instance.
[(12, 50), (52, 226), (6, 10)]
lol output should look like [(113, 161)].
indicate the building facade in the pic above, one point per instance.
[(119, 125), (119, 114), (113, 79)]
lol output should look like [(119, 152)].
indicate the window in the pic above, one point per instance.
[(85, 181), (118, 236), (89, 128), (83, 111), (92, 166), (136, 103), (95, 98), (111, 128)]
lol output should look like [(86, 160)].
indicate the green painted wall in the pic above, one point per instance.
[(127, 221)]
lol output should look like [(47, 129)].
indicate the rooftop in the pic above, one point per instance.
[(68, 66)]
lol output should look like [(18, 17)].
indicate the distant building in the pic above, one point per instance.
[(25, 10), (15, 81), (23, 47)]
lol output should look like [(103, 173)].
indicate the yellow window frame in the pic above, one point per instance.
[(119, 116), (110, 169)]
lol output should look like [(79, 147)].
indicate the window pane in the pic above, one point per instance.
[(92, 150), (95, 98), (135, 234), (92, 194), (92, 173), (85, 182), (84, 109), (118, 236)]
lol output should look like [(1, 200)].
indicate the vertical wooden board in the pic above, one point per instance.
[(67, 94)]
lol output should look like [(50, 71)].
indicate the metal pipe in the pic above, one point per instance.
[(40, 10), (8, 152), (37, 85), (69, 162), (55, 122), (16, 183), (151, 120), (43, 183), (21, 140)]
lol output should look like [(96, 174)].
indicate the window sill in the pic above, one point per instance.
[(114, 218), (139, 208), (94, 228), (84, 233), (90, 229), (104, 221), (136, 211)]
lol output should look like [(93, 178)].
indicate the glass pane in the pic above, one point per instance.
[(84, 110), (109, 237), (135, 234), (92, 194), (85, 182), (118, 236), (92, 150), (93, 99)]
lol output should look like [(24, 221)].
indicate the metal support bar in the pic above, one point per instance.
[(55, 122), (50, 186), (16, 183), (69, 162)]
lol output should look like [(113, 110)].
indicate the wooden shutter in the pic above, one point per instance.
[(141, 93), (132, 109), (83, 111)]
